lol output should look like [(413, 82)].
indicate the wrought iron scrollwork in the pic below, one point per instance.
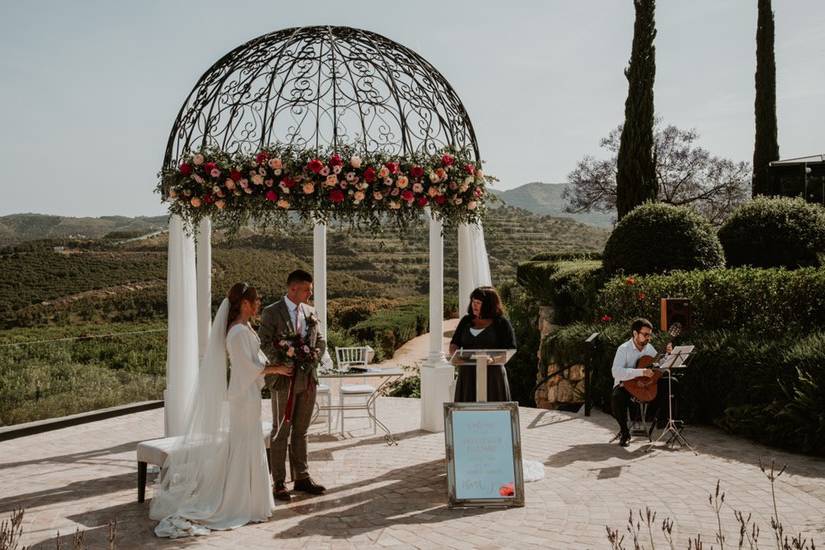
[(322, 87)]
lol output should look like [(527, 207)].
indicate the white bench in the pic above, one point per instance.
[(155, 452)]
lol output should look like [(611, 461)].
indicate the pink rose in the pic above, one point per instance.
[(221, 204), (283, 203), (355, 162), (359, 196), (402, 182), (257, 179), (214, 172), (432, 191), (332, 180), (276, 164), (377, 195), (470, 168), (195, 202), (418, 188), (383, 172), (472, 205), (309, 188), (198, 159)]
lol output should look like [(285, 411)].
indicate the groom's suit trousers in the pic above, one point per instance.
[(294, 433)]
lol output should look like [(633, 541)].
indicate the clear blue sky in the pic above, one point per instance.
[(90, 89)]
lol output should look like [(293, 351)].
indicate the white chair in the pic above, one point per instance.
[(359, 356), (323, 390)]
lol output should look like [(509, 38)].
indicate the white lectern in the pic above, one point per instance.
[(481, 358)]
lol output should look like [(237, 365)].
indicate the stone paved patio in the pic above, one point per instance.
[(394, 497)]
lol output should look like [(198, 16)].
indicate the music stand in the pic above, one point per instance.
[(481, 358), (677, 359)]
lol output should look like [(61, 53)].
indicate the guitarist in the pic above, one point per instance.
[(624, 368)]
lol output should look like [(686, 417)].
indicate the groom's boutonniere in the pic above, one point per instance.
[(313, 319)]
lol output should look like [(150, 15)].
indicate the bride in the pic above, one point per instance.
[(216, 476)]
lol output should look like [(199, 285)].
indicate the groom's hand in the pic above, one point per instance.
[(279, 369)]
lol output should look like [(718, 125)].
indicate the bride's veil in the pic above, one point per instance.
[(192, 478)]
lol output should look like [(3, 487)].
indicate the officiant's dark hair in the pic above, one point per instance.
[(491, 307), (237, 294), (298, 276)]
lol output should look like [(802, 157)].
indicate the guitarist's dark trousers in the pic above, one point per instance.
[(620, 404)]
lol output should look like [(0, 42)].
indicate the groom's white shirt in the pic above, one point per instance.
[(294, 311)]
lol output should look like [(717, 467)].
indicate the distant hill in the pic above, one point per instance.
[(16, 228), (546, 199)]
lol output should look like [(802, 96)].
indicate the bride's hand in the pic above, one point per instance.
[(282, 370)]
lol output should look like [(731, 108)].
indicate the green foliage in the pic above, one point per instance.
[(767, 302), (570, 287), (408, 386), (767, 389), (775, 232), (766, 144), (636, 166), (565, 256), (388, 329), (655, 238), (522, 311)]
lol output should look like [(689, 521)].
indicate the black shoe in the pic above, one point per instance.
[(624, 441), (281, 492), (308, 486)]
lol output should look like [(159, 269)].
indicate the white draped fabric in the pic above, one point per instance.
[(204, 275), (473, 264), (182, 346)]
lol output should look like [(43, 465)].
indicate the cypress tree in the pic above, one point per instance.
[(766, 146), (636, 170)]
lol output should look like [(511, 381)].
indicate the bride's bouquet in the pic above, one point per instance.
[(293, 349)]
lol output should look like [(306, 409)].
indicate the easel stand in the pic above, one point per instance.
[(672, 430)]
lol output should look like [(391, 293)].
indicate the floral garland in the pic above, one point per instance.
[(343, 186)]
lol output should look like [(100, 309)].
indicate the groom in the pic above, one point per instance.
[(287, 316)]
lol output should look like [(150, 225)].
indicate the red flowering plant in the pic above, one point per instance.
[(341, 185)]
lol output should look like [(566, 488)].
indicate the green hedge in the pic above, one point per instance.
[(768, 302), (571, 287), (775, 232), (770, 390), (656, 238)]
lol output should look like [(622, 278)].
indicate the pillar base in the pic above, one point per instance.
[(436, 386)]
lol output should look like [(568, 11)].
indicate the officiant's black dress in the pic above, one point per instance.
[(499, 335)]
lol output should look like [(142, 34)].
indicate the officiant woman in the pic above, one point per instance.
[(484, 327)]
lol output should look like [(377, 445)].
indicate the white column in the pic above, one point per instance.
[(182, 345), (465, 274), (319, 275), (436, 373), (204, 274)]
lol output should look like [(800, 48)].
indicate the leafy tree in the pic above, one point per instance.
[(766, 146), (636, 165), (686, 175)]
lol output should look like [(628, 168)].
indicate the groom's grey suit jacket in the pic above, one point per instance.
[(276, 323)]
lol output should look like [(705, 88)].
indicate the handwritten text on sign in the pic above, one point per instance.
[(483, 454)]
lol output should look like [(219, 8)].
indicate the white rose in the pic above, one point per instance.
[(355, 162)]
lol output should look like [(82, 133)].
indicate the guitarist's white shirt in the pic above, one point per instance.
[(624, 362)]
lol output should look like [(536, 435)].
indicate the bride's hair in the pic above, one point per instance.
[(237, 294)]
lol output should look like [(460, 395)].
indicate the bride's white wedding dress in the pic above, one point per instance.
[(216, 476)]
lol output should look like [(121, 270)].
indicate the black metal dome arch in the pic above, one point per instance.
[(319, 87)]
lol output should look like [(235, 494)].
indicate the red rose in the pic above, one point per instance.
[(315, 166), (422, 201), (641, 296), (271, 196), (336, 196), (369, 174), (209, 166), (208, 199), (261, 158), (335, 160), (407, 195), (507, 490), (185, 169), (606, 318), (235, 176), (416, 171), (479, 192), (447, 160), (288, 183), (440, 199), (392, 167), (630, 281), (470, 168)]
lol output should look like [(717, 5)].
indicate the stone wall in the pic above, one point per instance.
[(564, 389)]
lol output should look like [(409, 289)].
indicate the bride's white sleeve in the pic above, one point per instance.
[(247, 363)]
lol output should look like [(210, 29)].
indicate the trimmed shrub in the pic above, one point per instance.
[(571, 287), (564, 256), (522, 311), (767, 302), (656, 238), (775, 232)]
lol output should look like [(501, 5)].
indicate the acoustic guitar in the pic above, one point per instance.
[(644, 388)]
